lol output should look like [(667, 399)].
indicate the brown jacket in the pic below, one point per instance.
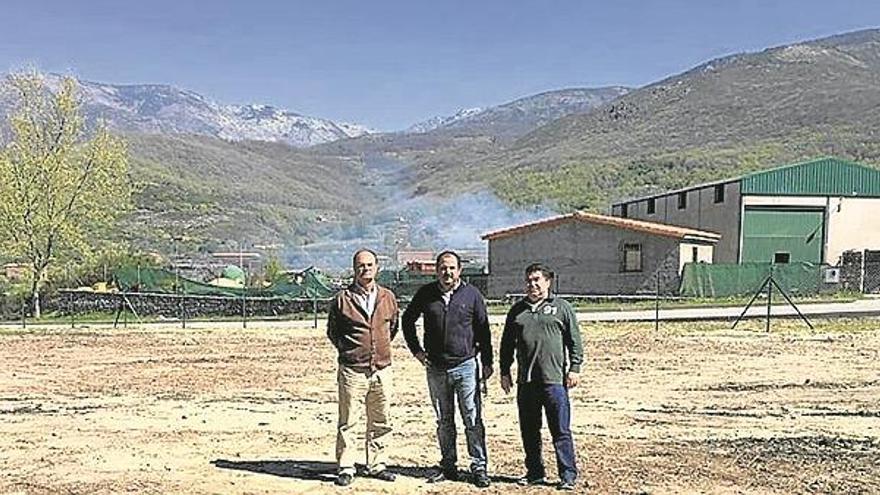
[(363, 341)]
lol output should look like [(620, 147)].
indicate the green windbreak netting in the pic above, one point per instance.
[(403, 282), (307, 284), (728, 279)]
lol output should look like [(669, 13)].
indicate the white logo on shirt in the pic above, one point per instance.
[(549, 310)]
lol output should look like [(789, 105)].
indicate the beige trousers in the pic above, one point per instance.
[(359, 391)]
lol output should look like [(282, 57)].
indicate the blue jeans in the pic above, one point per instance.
[(531, 398), (445, 385)]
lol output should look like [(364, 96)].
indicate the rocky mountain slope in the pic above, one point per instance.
[(722, 118), (163, 109), (518, 117)]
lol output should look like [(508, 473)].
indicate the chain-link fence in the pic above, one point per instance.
[(664, 291)]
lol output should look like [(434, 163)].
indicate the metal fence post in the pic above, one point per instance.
[(657, 306), (183, 308), (315, 311), (70, 309), (244, 306), (769, 297), (862, 272)]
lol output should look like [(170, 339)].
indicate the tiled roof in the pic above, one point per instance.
[(654, 228)]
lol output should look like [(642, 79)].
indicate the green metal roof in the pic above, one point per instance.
[(820, 177)]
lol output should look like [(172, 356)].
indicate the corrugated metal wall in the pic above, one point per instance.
[(822, 177)]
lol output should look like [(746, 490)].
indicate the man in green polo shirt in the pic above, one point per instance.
[(543, 331)]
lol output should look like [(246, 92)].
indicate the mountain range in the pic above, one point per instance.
[(163, 109), (520, 116), (722, 118)]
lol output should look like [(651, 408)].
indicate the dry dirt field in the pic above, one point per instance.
[(695, 408)]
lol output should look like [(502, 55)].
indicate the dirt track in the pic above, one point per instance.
[(693, 409)]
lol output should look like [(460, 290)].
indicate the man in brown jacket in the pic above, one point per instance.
[(362, 321)]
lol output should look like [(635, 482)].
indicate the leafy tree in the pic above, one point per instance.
[(273, 269), (62, 187)]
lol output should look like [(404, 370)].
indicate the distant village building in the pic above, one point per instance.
[(404, 256), (16, 271), (421, 267), (811, 211), (596, 254)]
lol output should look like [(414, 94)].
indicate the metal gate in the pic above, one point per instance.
[(872, 272), (783, 235)]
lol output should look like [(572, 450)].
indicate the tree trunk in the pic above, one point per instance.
[(35, 292), (36, 298)]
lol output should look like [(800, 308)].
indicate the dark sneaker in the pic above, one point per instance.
[(443, 475), (384, 475), (566, 485), (531, 480), (481, 479), (344, 479)]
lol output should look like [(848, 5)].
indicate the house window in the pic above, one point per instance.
[(624, 210), (719, 193), (695, 254), (632, 257), (781, 257), (682, 200), (652, 206)]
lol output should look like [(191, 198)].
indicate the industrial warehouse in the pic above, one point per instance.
[(814, 213)]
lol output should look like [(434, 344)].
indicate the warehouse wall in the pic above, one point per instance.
[(701, 212), (586, 257)]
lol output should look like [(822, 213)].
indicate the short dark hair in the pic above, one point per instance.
[(540, 267), (448, 253), (363, 250)]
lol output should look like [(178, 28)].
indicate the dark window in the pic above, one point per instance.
[(652, 206), (781, 257), (624, 210), (632, 257), (719, 193), (695, 254), (682, 200)]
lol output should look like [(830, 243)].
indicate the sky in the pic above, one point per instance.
[(390, 64)]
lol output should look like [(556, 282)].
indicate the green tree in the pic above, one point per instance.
[(62, 186), (273, 269)]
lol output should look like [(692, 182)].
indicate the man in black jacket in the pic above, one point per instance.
[(456, 329)]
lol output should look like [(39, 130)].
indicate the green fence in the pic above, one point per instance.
[(405, 283), (729, 279), (308, 284)]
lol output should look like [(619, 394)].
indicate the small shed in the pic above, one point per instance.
[(596, 254)]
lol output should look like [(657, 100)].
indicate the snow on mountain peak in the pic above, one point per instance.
[(154, 108)]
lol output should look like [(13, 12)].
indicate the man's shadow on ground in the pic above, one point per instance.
[(326, 471)]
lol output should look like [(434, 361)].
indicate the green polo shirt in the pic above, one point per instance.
[(546, 339)]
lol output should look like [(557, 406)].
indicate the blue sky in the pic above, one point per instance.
[(389, 64)]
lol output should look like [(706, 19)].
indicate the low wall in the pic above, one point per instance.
[(173, 305)]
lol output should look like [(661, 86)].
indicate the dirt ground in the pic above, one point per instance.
[(695, 408)]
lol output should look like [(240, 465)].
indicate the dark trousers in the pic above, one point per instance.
[(531, 399)]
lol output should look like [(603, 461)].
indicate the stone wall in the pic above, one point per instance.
[(172, 306)]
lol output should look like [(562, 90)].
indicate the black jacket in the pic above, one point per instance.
[(454, 333)]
